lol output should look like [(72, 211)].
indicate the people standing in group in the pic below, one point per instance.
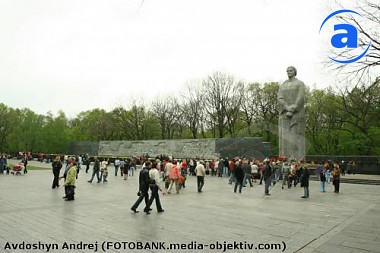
[(174, 176), (95, 170), (200, 171), (144, 182), (336, 177), (239, 175), (155, 187), (70, 180), (267, 176), (56, 165), (304, 179)]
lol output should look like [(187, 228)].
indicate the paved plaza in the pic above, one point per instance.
[(35, 218)]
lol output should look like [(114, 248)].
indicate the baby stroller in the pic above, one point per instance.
[(18, 169)]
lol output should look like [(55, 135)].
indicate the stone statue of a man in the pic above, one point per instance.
[(291, 124)]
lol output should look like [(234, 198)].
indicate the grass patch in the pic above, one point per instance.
[(31, 167)]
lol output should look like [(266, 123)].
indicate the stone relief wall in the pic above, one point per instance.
[(185, 148)]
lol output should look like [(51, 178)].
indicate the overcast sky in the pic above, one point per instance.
[(77, 55)]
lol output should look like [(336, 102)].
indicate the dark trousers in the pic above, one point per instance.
[(143, 195), (200, 182), (95, 172), (155, 196), (240, 184), (267, 182), (56, 178), (336, 185), (70, 191)]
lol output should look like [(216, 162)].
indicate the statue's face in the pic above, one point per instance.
[(291, 72)]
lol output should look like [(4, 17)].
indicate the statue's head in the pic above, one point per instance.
[(291, 71)]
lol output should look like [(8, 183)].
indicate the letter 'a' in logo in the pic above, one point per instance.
[(346, 36)]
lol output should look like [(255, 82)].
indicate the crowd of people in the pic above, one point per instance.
[(172, 174)]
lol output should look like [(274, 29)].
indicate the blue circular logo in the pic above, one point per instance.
[(346, 37)]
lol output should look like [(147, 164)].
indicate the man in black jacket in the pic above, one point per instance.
[(144, 181), (95, 170), (267, 174)]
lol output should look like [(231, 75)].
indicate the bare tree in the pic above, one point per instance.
[(168, 113), (264, 102), (249, 107), (369, 33), (221, 101), (360, 106), (192, 109)]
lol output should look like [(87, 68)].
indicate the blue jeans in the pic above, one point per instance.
[(132, 171), (225, 172), (247, 176), (306, 192), (323, 184)]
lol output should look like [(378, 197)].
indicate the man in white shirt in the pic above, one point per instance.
[(200, 172)]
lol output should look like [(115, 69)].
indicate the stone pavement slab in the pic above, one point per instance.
[(35, 217)]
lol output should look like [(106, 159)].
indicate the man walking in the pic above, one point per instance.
[(144, 181), (200, 172), (95, 170), (267, 174), (155, 186)]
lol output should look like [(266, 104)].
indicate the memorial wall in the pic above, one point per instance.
[(182, 148)]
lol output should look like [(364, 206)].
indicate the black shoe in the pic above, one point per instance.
[(134, 210), (303, 197), (89, 181), (64, 197), (267, 194), (160, 211), (147, 212)]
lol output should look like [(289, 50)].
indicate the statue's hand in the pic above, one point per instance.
[(292, 108)]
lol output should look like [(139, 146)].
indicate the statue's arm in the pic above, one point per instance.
[(283, 106), (300, 101)]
